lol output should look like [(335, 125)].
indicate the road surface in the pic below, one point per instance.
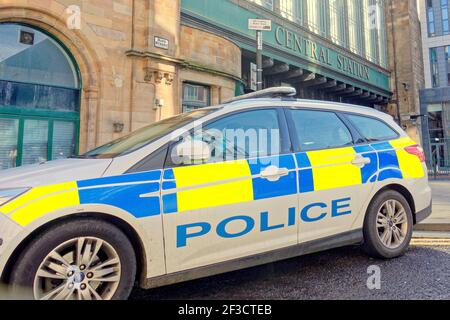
[(423, 273)]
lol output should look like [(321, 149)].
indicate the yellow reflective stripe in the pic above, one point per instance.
[(409, 164), (41, 200), (402, 142), (215, 192), (333, 168)]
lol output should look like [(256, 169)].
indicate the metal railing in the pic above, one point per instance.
[(438, 168)]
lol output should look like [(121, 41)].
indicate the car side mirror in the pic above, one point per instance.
[(193, 151)]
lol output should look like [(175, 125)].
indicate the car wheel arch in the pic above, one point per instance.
[(124, 226), (403, 191)]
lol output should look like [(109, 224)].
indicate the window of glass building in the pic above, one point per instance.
[(434, 68), (372, 25), (338, 22), (317, 12), (195, 96), (39, 97), (382, 37), (435, 121), (430, 18), (288, 9), (444, 13), (447, 59), (354, 26), (367, 26), (265, 3)]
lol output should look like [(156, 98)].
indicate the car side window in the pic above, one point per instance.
[(372, 129), (154, 161), (243, 135), (316, 130)]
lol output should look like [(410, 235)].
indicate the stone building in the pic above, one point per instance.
[(405, 63), (75, 74)]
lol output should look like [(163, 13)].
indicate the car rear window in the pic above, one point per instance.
[(372, 129)]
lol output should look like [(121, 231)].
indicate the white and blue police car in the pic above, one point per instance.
[(261, 178)]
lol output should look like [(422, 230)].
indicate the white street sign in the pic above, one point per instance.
[(260, 24), (161, 43), (253, 76)]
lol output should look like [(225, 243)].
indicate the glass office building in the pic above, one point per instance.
[(435, 99)]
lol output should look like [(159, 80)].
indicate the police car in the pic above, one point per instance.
[(261, 178)]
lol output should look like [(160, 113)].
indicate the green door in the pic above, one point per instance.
[(39, 98)]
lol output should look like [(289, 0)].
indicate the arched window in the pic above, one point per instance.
[(39, 97)]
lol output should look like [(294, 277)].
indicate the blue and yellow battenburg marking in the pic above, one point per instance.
[(219, 184), (122, 191), (190, 188)]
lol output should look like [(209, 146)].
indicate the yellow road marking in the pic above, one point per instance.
[(430, 242)]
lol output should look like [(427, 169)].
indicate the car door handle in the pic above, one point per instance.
[(360, 161), (274, 173)]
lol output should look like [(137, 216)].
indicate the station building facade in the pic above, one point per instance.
[(76, 74)]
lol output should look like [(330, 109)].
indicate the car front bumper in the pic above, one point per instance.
[(8, 233)]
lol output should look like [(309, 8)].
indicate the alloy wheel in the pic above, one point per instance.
[(84, 268), (392, 224)]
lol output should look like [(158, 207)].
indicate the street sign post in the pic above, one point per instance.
[(259, 25)]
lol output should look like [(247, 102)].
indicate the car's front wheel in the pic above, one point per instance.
[(83, 259), (388, 225)]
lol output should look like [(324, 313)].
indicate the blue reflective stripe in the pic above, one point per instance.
[(169, 175), (305, 173), (125, 178), (388, 162), (265, 189), (260, 164), (169, 185), (382, 146), (390, 174), (363, 149), (369, 170), (303, 160), (126, 198), (170, 204)]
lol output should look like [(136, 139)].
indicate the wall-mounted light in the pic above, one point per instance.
[(406, 86), (118, 127), (159, 103)]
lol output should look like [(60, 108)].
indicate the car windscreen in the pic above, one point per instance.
[(144, 136)]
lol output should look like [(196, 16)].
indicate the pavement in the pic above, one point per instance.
[(421, 274), (440, 218)]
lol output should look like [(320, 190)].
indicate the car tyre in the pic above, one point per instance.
[(82, 259), (388, 226)]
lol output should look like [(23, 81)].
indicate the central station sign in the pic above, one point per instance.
[(303, 49), (313, 51)]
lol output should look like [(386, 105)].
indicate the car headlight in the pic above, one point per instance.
[(7, 195)]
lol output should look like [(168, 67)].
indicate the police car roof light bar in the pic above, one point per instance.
[(275, 92)]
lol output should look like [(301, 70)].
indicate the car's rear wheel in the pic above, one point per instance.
[(85, 259), (388, 225)]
